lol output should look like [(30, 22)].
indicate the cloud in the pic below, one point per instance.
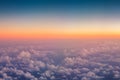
[(87, 63), (24, 54), (84, 78)]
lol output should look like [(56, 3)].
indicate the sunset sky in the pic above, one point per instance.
[(23, 19)]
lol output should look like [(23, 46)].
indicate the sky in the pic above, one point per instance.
[(43, 19)]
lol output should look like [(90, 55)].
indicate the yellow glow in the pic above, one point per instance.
[(94, 28)]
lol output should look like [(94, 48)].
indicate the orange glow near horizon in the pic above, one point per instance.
[(53, 29), (54, 34), (48, 35)]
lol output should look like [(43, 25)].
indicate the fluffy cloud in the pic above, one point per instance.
[(96, 62), (24, 54)]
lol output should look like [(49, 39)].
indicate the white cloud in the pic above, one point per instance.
[(85, 63), (24, 54)]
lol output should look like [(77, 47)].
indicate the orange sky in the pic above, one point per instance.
[(54, 28)]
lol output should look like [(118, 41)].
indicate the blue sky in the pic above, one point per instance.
[(59, 6)]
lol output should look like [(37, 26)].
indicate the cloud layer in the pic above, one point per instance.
[(30, 62)]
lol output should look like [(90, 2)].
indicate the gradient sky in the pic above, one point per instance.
[(59, 19)]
